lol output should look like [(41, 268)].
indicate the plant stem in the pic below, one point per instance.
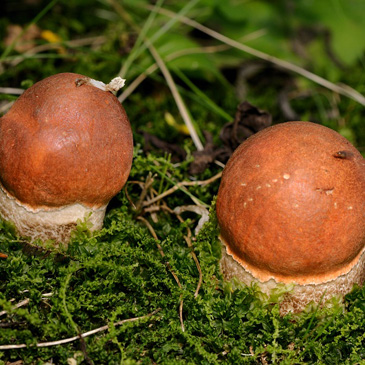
[(343, 89)]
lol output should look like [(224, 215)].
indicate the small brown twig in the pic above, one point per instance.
[(179, 185), (129, 198), (147, 185)]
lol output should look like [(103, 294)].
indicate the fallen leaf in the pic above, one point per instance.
[(248, 121), (25, 41), (203, 158)]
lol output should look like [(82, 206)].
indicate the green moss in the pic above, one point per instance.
[(119, 273)]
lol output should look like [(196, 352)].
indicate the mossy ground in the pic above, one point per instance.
[(119, 274), (140, 267)]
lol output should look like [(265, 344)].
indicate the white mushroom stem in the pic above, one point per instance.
[(51, 223), (114, 85), (298, 296)]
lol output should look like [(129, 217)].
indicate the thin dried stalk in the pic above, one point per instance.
[(93, 41), (178, 186), (22, 303), (181, 306), (197, 263), (6, 107), (175, 93), (185, 52), (129, 198), (203, 212), (160, 250), (147, 185), (340, 89), (82, 335), (11, 90)]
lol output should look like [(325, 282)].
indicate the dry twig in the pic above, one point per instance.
[(82, 335), (146, 186), (178, 186)]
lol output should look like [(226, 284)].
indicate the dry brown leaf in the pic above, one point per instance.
[(24, 42)]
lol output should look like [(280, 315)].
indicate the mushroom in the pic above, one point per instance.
[(291, 210), (66, 149)]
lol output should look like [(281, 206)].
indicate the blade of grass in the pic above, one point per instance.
[(168, 158), (139, 42), (34, 21), (170, 82), (179, 186), (319, 331), (340, 89), (185, 52), (64, 302), (151, 69), (178, 99), (203, 96), (313, 317), (142, 47), (73, 44)]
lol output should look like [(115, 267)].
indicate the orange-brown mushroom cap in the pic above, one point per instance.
[(291, 204), (66, 149), (63, 143)]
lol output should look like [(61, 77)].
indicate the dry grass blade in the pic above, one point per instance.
[(175, 93), (18, 305), (197, 263), (147, 185), (11, 90), (82, 335), (185, 52), (340, 89), (170, 82), (4, 108), (129, 198), (94, 42), (178, 186)]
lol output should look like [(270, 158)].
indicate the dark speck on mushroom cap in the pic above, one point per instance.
[(289, 208)]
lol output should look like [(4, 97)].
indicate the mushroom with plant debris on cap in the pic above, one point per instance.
[(66, 149), (291, 209)]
